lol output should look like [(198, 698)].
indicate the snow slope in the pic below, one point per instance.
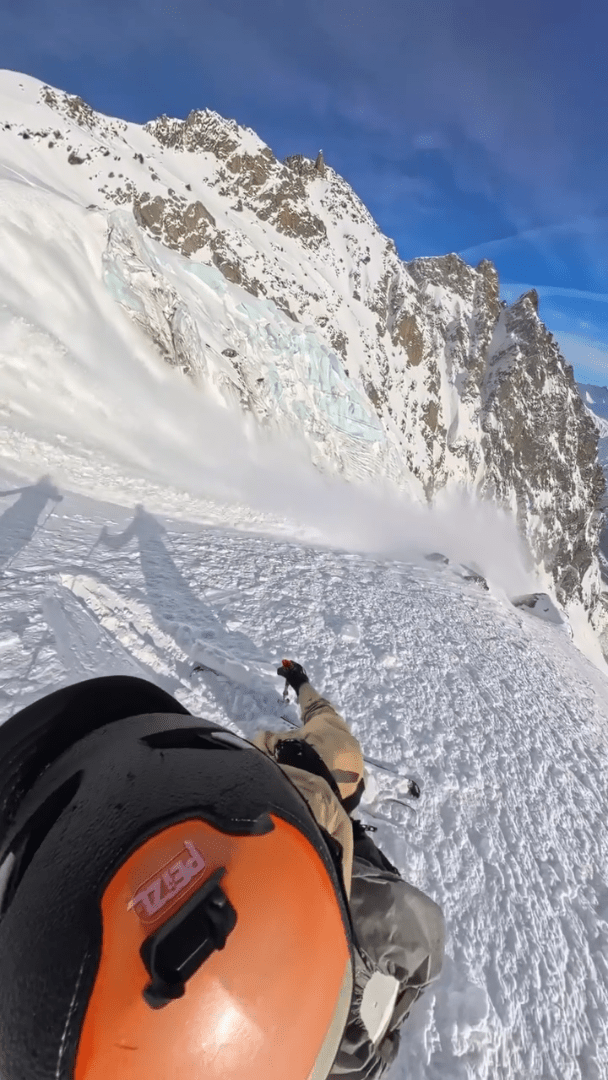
[(502, 721), (85, 394)]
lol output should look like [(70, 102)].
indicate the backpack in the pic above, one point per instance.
[(398, 938), (398, 950)]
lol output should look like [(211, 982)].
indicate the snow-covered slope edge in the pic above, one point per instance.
[(271, 285)]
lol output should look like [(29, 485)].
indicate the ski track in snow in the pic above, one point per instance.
[(496, 714)]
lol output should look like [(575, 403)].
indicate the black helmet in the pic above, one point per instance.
[(168, 905)]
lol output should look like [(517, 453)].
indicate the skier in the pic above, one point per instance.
[(168, 899), (398, 931), (324, 748)]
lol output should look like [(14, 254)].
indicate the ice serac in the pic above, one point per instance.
[(269, 282)]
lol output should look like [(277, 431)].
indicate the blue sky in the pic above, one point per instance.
[(464, 125)]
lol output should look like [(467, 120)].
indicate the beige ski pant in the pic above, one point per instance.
[(331, 737)]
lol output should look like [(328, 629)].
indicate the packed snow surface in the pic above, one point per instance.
[(502, 721)]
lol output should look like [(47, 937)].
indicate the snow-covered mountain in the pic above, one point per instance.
[(596, 400), (270, 285)]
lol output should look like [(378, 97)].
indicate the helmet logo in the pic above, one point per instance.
[(159, 891)]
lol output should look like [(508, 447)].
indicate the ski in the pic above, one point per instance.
[(288, 721), (401, 803), (414, 788), (380, 817)]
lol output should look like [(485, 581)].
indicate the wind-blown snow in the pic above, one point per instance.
[(496, 714)]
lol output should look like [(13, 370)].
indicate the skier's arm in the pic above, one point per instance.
[(312, 705), (315, 707), (329, 734)]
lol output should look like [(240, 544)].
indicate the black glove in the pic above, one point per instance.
[(293, 673), (389, 1047)]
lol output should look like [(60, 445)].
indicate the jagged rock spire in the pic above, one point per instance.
[(532, 296), (320, 163)]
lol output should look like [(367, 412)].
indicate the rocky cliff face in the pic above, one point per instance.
[(416, 371), (540, 447)]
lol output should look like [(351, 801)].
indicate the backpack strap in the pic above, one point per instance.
[(365, 848), (301, 755)]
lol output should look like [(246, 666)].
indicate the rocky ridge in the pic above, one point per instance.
[(467, 392)]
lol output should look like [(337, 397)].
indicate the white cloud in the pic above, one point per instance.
[(429, 140)]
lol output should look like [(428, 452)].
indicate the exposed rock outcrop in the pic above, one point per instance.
[(184, 228)]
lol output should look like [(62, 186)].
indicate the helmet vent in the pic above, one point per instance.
[(31, 837), (184, 739)]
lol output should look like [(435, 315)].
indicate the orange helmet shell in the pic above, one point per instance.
[(121, 836), (264, 1007)]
